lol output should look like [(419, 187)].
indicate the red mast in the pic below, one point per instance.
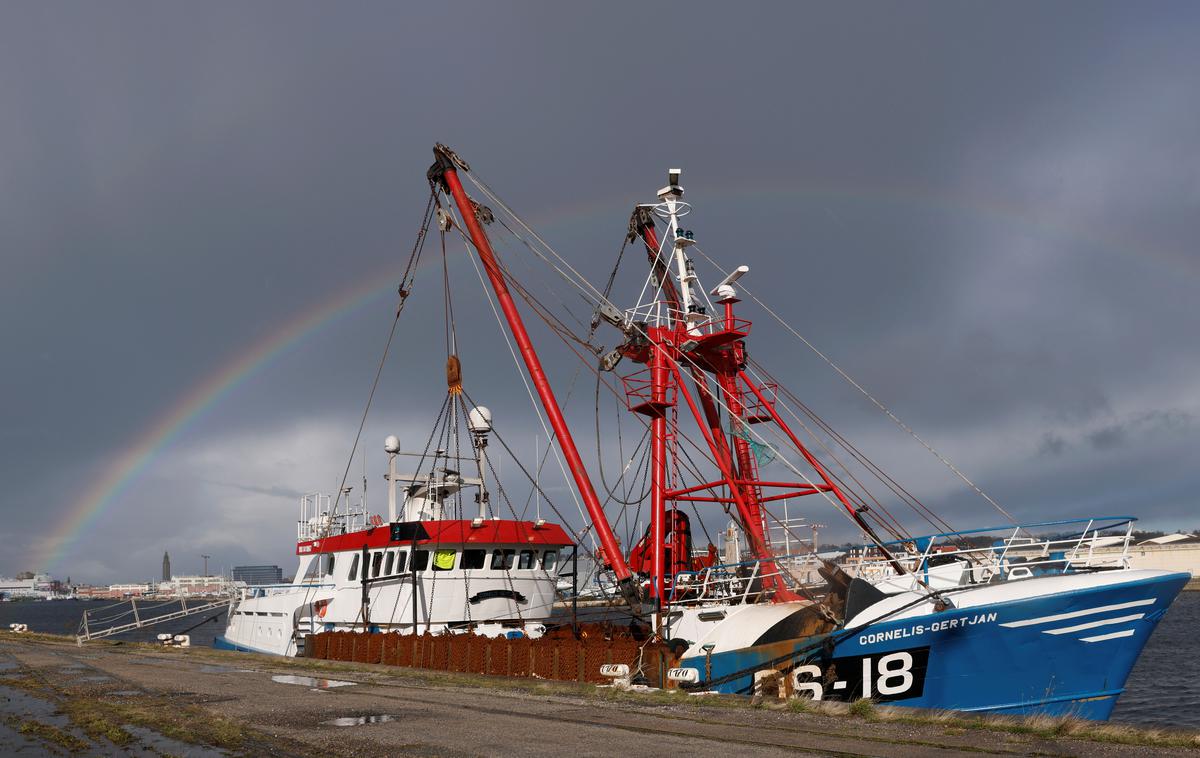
[(693, 343), (720, 351), (445, 172)]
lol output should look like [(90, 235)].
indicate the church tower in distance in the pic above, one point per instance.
[(166, 567)]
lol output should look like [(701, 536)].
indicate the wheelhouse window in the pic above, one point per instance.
[(502, 560), (549, 560), (473, 559), (354, 568), (443, 560), (388, 562), (420, 560), (376, 564), (526, 561), (401, 560), (329, 564)]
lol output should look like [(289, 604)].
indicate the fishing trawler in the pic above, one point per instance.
[(1023, 618), (421, 572)]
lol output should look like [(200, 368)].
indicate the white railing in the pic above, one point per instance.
[(655, 313), (939, 563), (932, 563), (265, 590), (316, 520), (116, 619), (745, 582)]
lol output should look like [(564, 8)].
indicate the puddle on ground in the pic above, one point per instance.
[(20, 706), (125, 693), (16, 707), (15, 702), (210, 668), (163, 745), (152, 662), (308, 681), (98, 678), (360, 720)]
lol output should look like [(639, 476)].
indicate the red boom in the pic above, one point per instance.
[(608, 541)]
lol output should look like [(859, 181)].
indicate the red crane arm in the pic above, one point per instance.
[(444, 170)]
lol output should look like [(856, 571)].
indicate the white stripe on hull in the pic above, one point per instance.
[(1077, 614), (1112, 636), (1094, 624)]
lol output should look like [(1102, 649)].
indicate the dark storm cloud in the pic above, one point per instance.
[(275, 491), (1145, 425), (985, 212), (1051, 444)]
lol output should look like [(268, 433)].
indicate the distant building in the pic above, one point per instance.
[(253, 575), (129, 590), (166, 566), (30, 585), (187, 586)]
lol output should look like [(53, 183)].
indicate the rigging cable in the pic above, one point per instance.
[(403, 290), (559, 328), (874, 469), (887, 411), (585, 286)]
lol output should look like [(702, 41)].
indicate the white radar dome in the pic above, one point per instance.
[(726, 292), (391, 444), (479, 420)]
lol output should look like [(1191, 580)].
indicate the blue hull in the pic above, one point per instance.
[(220, 643), (1060, 654)]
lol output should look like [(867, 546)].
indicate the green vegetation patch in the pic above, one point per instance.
[(862, 708), (1055, 728), (92, 718), (47, 733), (179, 722)]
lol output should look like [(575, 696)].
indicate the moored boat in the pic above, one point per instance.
[(1025, 618), (420, 572)]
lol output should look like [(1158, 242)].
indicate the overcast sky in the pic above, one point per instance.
[(986, 213)]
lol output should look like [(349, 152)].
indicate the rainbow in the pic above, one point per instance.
[(193, 404), (207, 393)]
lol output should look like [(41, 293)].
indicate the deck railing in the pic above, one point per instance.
[(933, 562)]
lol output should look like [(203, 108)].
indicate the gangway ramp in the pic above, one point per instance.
[(99, 622)]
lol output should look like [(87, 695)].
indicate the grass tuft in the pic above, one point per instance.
[(91, 717), (182, 723), (799, 705), (863, 708), (48, 733)]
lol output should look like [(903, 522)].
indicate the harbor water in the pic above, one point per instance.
[(1163, 690)]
